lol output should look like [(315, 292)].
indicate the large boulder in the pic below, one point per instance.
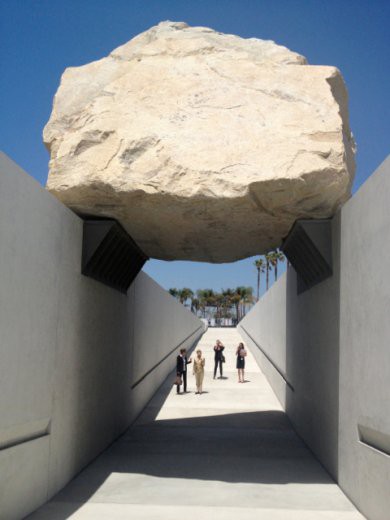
[(204, 146)]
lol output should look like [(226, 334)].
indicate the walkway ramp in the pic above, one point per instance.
[(229, 453)]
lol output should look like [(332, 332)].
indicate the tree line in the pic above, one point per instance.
[(229, 303), (207, 303)]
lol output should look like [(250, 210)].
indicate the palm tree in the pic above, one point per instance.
[(268, 260), (195, 305), (202, 307), (240, 291), (202, 302), (227, 297), (216, 302), (235, 299), (245, 296), (227, 302), (184, 294), (206, 298), (207, 295), (259, 264), (277, 256), (174, 292)]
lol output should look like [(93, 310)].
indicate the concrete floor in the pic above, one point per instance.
[(228, 453)]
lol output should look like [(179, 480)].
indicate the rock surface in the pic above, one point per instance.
[(205, 146)]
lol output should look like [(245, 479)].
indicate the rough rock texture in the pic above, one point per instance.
[(205, 146)]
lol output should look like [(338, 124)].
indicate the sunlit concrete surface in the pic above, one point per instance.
[(229, 453)]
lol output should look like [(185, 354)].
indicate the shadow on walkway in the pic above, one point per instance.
[(214, 451), (252, 447)]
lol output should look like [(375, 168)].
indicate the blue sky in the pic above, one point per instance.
[(40, 38)]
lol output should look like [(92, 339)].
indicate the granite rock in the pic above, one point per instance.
[(204, 146)]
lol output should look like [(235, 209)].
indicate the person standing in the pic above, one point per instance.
[(181, 369), (218, 357), (241, 354), (198, 371)]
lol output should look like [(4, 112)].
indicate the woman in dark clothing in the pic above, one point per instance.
[(218, 357), (241, 354)]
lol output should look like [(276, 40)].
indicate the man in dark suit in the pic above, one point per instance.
[(181, 368)]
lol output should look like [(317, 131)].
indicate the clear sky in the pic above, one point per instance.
[(40, 38)]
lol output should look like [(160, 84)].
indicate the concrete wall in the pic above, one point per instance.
[(78, 360), (326, 351), (297, 346), (364, 472), (264, 329)]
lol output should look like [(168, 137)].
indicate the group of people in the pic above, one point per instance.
[(198, 364)]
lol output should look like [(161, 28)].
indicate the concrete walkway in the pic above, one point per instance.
[(227, 454)]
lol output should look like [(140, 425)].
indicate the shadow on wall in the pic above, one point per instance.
[(312, 360)]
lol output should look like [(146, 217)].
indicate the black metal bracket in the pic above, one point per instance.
[(110, 255), (308, 248)]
